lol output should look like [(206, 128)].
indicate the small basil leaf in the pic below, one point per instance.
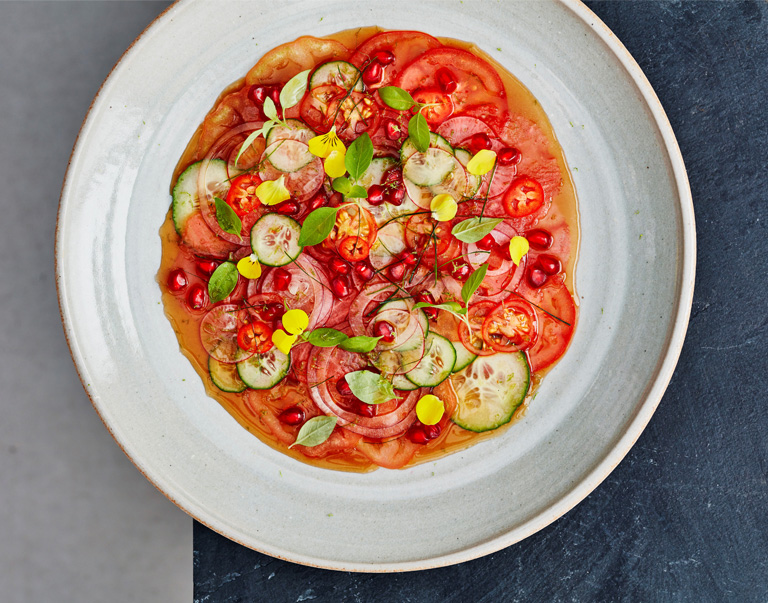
[(325, 338), (356, 191), (369, 387), (269, 109), (341, 185), (228, 220), (263, 131), (317, 226), (294, 90), (315, 431), (359, 155), (418, 130), (473, 282), (397, 98), (452, 307), (223, 281), (474, 229), (359, 344)]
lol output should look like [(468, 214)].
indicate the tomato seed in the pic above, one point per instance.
[(550, 264), (293, 415), (384, 57), (177, 281), (540, 240), (445, 80), (282, 279)]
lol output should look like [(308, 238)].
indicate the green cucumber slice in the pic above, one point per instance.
[(339, 73), (437, 363), (385, 212), (430, 168), (401, 383), (292, 129), (275, 239), (288, 155), (489, 390), (463, 356), (435, 141), (185, 201), (263, 371), (473, 182), (225, 376), (390, 241), (455, 185)]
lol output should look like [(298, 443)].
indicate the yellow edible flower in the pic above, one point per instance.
[(518, 247), (324, 144), (334, 164), (430, 409), (249, 267), (444, 207), (295, 321), (272, 192), (283, 341), (482, 162)]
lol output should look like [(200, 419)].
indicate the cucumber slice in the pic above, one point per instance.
[(339, 73), (385, 212), (293, 129), (390, 241), (473, 182), (395, 313), (430, 168), (288, 155), (463, 356), (275, 239), (185, 200), (435, 142), (455, 185), (437, 364), (401, 383), (263, 371), (490, 390), (225, 377)]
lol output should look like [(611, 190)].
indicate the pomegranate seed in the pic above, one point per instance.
[(343, 387), (177, 281), (461, 272), (364, 271), (540, 240), (536, 276), (206, 267), (550, 264), (336, 199), (282, 279), (446, 81), (432, 431), (258, 94), (274, 94), (372, 74), (375, 194), (395, 196), (486, 243), (287, 208), (317, 201), (478, 142), (340, 286), (396, 271), (197, 297), (509, 156), (293, 415), (272, 311), (418, 435), (384, 330), (408, 258), (338, 266), (384, 57), (365, 410), (429, 299), (394, 129)]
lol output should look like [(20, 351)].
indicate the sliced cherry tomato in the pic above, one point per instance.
[(255, 337), (476, 316), (421, 229), (242, 194), (524, 197), (512, 326), (316, 106), (354, 221), (439, 105), (354, 249), (355, 114)]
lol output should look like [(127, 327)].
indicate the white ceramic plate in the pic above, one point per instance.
[(635, 283)]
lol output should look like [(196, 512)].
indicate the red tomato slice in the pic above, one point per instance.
[(421, 229), (354, 249), (439, 105), (392, 455), (255, 337), (282, 63), (476, 316), (524, 197), (356, 114), (315, 108), (354, 221), (242, 194), (405, 45), (511, 326)]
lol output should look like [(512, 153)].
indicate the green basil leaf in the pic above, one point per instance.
[(356, 191), (359, 344), (228, 220), (325, 338), (315, 431), (473, 282), (370, 387), (269, 109), (317, 226), (341, 185), (418, 130), (397, 98), (223, 281), (294, 90), (452, 307), (474, 229), (359, 155)]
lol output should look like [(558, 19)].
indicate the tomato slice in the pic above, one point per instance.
[(439, 105), (405, 45), (255, 337), (512, 326), (354, 249), (242, 194), (421, 229), (354, 221), (524, 197), (476, 316), (315, 108)]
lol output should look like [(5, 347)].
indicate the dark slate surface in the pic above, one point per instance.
[(683, 517)]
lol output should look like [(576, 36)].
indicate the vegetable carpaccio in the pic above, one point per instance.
[(370, 251)]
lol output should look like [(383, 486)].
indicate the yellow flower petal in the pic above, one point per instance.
[(518, 247), (482, 162), (295, 321), (272, 192), (334, 164), (322, 145), (283, 341), (444, 207), (430, 409), (249, 267)]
